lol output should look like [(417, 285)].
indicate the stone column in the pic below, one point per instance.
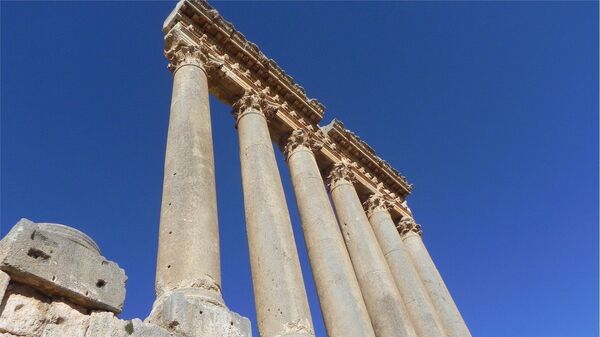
[(383, 300), (421, 311), (188, 276), (453, 323), (344, 311), (188, 218), (281, 304)]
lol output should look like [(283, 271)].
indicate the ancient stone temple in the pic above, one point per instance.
[(373, 273)]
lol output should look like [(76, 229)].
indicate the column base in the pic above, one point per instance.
[(196, 316)]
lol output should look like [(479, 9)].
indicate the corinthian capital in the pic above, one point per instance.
[(408, 225), (180, 53), (341, 172), (255, 102), (300, 138), (377, 202)]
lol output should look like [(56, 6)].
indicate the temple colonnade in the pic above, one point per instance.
[(373, 273)]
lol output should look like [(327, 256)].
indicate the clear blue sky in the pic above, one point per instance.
[(489, 108)]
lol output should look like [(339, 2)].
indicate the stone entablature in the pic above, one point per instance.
[(236, 68), (373, 274), (372, 166), (241, 65)]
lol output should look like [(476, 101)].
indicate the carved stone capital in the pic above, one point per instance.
[(341, 172), (253, 102), (377, 202), (300, 138), (181, 49), (179, 53), (408, 225)]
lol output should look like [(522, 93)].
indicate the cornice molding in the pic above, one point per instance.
[(375, 167), (243, 64), (236, 67)]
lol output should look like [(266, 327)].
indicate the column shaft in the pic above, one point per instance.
[(451, 319), (281, 303), (342, 305), (383, 301), (189, 208), (421, 311)]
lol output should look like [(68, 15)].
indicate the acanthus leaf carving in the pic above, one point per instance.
[(408, 225), (255, 101), (377, 202), (180, 51), (341, 171), (300, 138), (182, 54)]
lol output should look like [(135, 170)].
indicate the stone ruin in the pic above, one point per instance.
[(373, 273)]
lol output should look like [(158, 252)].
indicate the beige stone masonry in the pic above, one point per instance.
[(422, 313), (342, 305), (281, 303), (189, 206), (236, 65), (384, 302), (451, 319), (62, 261)]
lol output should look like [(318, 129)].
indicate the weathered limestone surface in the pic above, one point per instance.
[(454, 325), (191, 316), (34, 304), (4, 280), (342, 305), (281, 304), (384, 303), (26, 312), (189, 208), (188, 284), (419, 307), (64, 262)]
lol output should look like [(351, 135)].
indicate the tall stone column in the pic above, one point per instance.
[(380, 293), (188, 272), (421, 311), (281, 303), (342, 305), (453, 323), (188, 218)]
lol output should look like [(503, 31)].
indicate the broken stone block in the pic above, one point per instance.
[(195, 316), (62, 261), (4, 279), (104, 324), (64, 319), (24, 311)]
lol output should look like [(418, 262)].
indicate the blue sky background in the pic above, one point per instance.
[(489, 108)]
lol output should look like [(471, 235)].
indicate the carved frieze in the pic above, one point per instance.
[(244, 65)]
